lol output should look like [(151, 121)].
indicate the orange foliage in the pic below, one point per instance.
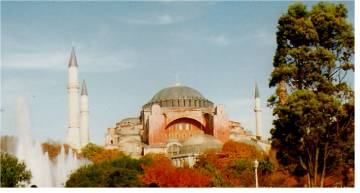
[(245, 179), (278, 178), (241, 150), (235, 151), (231, 151), (105, 155), (53, 149), (96, 156), (162, 173)]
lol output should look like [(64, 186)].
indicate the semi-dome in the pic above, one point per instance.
[(179, 96), (200, 143)]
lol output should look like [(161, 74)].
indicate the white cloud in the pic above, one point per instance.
[(263, 37), (154, 20), (111, 62), (220, 40), (165, 19), (34, 60), (58, 60)]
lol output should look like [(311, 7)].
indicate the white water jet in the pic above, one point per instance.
[(45, 173)]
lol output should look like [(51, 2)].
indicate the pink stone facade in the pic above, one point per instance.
[(163, 124), (174, 115)]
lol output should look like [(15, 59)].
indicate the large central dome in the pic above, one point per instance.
[(179, 96), (177, 92)]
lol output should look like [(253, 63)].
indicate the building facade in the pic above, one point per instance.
[(176, 118)]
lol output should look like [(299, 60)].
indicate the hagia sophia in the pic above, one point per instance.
[(178, 121)]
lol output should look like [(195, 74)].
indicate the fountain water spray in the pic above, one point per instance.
[(45, 173)]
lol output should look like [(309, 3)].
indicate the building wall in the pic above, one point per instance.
[(183, 128), (165, 123), (221, 124), (156, 126)]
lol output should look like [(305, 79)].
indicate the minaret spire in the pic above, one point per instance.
[(84, 116), (257, 110), (73, 137), (72, 61), (257, 95), (84, 89)]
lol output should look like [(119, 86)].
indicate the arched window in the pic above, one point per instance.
[(183, 126)]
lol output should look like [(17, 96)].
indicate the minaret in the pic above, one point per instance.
[(257, 110), (73, 138), (84, 116)]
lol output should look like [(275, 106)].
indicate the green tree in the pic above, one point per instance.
[(13, 172), (121, 172), (314, 127), (90, 150), (314, 48)]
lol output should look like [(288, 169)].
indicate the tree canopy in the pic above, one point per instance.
[(162, 173), (13, 172), (98, 154), (233, 166), (314, 125), (120, 172)]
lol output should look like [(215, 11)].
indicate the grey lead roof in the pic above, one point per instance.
[(84, 89), (72, 61), (171, 96), (177, 92)]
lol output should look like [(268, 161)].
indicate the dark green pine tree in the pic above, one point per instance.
[(314, 125)]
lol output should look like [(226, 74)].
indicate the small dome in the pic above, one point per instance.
[(199, 144), (179, 96), (129, 121)]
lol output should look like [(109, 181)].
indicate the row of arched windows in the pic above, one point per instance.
[(182, 126), (185, 103)]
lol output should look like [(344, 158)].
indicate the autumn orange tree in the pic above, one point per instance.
[(53, 149), (98, 154), (163, 173), (234, 166)]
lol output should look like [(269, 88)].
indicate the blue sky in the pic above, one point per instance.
[(127, 51)]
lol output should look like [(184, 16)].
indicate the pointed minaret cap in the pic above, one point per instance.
[(72, 61), (256, 91), (84, 89)]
